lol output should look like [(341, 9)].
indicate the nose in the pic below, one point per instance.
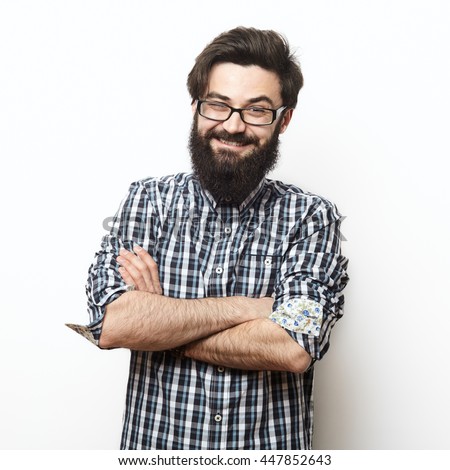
[(234, 124)]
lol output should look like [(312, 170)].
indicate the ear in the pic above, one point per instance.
[(287, 116), (194, 107)]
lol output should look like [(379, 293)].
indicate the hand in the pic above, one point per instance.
[(139, 269), (266, 304)]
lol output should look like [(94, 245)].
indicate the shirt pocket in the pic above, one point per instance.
[(256, 274)]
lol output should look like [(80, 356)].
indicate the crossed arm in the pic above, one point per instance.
[(229, 331)]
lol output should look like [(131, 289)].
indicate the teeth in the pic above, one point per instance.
[(235, 144)]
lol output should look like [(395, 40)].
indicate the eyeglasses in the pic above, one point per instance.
[(253, 115)]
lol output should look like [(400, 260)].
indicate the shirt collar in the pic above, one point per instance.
[(244, 204), (248, 201)]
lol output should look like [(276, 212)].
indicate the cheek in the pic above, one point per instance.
[(204, 125), (264, 136)]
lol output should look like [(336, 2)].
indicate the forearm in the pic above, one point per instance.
[(149, 322), (255, 345)]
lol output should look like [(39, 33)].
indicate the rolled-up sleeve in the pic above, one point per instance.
[(131, 224), (309, 294)]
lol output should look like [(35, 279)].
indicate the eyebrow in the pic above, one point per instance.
[(256, 99)]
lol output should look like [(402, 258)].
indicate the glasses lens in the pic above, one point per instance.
[(216, 111), (257, 116)]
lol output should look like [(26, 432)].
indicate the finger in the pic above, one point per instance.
[(139, 269), (151, 266), (127, 278), (136, 276)]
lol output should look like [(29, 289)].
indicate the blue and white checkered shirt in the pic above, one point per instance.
[(279, 242)]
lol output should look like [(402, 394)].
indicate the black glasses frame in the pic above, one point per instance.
[(275, 113)]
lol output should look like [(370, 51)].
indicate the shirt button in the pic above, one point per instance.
[(220, 369), (219, 270), (227, 230), (267, 261), (218, 418)]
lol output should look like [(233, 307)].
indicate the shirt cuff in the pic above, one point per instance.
[(93, 331), (85, 331), (300, 315)]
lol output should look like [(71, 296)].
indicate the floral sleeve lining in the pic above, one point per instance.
[(301, 315), (84, 331)]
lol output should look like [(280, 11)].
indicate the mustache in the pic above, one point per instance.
[(240, 138)]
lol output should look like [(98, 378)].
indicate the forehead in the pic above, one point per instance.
[(242, 84)]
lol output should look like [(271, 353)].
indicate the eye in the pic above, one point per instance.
[(215, 106), (256, 111)]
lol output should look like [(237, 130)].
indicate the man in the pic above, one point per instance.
[(223, 284)]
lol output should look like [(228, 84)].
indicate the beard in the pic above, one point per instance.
[(228, 175)]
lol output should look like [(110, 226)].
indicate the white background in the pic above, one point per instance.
[(93, 96)]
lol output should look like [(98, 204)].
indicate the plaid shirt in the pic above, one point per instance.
[(279, 242)]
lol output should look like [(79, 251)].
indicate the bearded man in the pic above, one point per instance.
[(224, 284)]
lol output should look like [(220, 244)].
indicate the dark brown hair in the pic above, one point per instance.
[(249, 46)]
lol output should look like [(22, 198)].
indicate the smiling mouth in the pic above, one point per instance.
[(232, 143)]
